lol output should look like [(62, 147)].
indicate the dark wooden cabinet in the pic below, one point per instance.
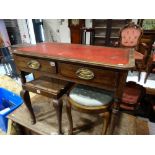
[(75, 26), (107, 30)]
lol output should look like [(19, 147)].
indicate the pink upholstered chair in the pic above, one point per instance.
[(132, 95), (130, 36)]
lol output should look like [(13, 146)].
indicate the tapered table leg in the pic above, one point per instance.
[(58, 107), (26, 97)]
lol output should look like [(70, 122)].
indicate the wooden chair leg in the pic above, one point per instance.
[(147, 73), (69, 115), (26, 97), (138, 69), (139, 75), (106, 116), (58, 104)]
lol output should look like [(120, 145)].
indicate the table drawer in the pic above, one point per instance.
[(91, 74), (35, 64)]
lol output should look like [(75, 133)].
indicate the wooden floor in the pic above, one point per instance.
[(46, 117), (84, 124)]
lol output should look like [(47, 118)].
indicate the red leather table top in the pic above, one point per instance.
[(96, 54)]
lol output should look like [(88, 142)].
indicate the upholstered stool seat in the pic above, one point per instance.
[(89, 100), (89, 96)]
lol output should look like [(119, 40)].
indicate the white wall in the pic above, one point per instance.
[(31, 31), (135, 21), (56, 30), (24, 32)]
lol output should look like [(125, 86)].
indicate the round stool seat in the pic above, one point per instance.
[(90, 96)]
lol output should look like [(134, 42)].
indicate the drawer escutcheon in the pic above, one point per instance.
[(33, 64), (85, 73)]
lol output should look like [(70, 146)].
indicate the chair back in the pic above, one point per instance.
[(132, 95), (130, 35)]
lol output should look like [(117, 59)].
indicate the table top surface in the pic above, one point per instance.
[(100, 55)]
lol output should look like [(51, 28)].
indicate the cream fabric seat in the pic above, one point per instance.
[(90, 96)]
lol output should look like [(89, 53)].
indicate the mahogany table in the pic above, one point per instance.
[(97, 66)]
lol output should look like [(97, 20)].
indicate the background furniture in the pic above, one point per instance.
[(148, 37), (89, 100), (132, 95), (13, 31), (150, 66), (130, 36), (107, 31), (8, 62), (84, 33), (75, 26)]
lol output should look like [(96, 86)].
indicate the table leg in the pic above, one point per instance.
[(58, 107), (26, 97), (117, 98)]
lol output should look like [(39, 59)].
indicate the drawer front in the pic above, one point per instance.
[(90, 74), (35, 64)]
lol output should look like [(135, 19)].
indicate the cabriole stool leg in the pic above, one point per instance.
[(106, 116), (69, 115)]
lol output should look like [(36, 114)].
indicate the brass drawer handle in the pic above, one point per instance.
[(85, 73), (33, 64)]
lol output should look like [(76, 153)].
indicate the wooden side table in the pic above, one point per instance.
[(52, 88), (96, 66)]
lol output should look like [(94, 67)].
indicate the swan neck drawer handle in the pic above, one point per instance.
[(85, 73), (33, 64)]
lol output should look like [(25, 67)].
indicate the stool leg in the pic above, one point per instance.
[(58, 107), (69, 115), (106, 116), (113, 120), (26, 97)]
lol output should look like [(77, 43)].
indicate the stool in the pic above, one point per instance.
[(89, 100), (49, 87)]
